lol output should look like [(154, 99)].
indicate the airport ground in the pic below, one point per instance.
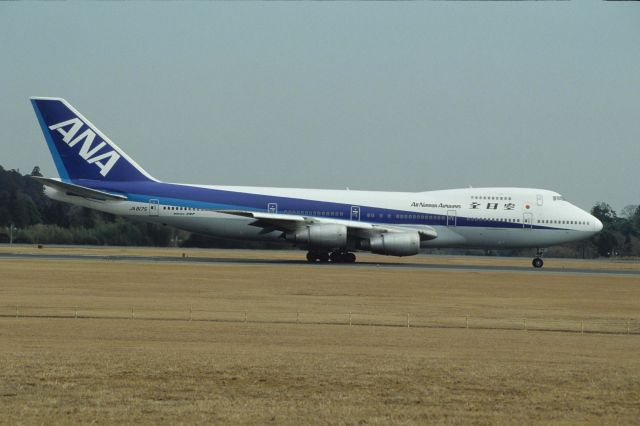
[(159, 367)]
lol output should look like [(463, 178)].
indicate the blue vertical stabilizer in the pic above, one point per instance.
[(79, 149)]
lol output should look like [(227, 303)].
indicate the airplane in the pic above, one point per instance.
[(331, 225)]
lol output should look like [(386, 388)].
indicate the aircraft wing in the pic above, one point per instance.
[(291, 222), (80, 191)]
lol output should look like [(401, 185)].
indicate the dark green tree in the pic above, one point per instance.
[(36, 171), (605, 213), (635, 220)]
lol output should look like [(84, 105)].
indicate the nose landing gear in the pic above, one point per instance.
[(537, 261)]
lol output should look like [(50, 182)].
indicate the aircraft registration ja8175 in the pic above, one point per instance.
[(331, 225)]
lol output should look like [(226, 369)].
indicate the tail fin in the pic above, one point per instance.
[(79, 149)]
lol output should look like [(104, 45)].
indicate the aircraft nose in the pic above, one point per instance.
[(597, 225)]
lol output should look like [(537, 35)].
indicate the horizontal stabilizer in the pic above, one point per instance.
[(81, 191)]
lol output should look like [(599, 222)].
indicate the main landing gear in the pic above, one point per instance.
[(537, 261), (334, 257)]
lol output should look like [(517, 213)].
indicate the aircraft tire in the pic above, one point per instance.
[(537, 262)]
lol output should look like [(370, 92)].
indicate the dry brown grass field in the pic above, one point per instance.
[(221, 370)]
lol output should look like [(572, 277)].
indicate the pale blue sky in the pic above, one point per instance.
[(408, 96)]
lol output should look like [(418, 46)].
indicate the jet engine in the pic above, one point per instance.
[(396, 244), (328, 236)]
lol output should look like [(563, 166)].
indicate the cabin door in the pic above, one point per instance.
[(154, 208), (451, 218), (527, 220), (355, 213)]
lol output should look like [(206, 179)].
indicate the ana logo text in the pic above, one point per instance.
[(69, 130)]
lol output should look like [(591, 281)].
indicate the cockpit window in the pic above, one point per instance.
[(558, 198)]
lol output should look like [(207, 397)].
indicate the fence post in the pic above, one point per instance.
[(349, 318), (16, 311), (190, 312), (76, 311), (132, 312), (408, 323), (467, 321), (582, 327), (628, 325), (297, 317), (245, 316), (525, 324)]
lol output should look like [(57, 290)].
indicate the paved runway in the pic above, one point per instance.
[(368, 265)]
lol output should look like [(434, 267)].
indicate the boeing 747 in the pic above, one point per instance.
[(331, 225)]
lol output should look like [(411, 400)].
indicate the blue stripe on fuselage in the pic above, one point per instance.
[(216, 199)]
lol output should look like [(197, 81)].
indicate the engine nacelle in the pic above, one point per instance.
[(328, 236), (396, 244)]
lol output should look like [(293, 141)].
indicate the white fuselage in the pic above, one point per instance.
[(470, 217)]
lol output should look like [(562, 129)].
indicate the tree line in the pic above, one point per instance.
[(620, 235), (37, 219)]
